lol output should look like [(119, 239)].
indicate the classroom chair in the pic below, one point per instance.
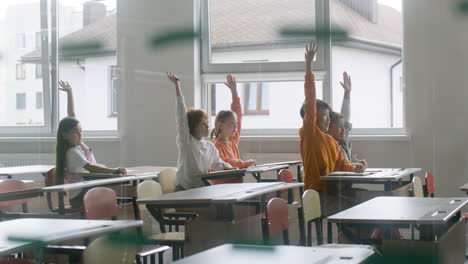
[(174, 239), (102, 251), (167, 179), (309, 212), (276, 220), (101, 203), (286, 175), (11, 185), (51, 180), (430, 184), (417, 187)]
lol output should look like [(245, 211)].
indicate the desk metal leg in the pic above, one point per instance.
[(388, 186), (136, 212), (257, 177), (61, 203)]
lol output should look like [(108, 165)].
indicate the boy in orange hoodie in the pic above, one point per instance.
[(320, 152)]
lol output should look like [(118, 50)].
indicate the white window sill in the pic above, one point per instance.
[(352, 138), (53, 139)]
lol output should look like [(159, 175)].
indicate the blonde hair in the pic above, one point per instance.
[(221, 117)]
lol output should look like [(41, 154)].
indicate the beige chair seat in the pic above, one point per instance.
[(169, 237)]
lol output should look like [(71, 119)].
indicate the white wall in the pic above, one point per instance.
[(148, 99), (436, 84)]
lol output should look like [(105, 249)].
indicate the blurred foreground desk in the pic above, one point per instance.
[(227, 212), (439, 221), (237, 254)]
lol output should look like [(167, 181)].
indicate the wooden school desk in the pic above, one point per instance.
[(9, 172), (258, 170), (20, 235), (391, 179), (63, 188), (464, 188), (439, 220), (131, 171), (223, 216), (238, 254), (297, 163)]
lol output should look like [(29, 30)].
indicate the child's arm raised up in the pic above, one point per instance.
[(231, 83), (183, 131), (310, 107), (346, 104), (65, 86)]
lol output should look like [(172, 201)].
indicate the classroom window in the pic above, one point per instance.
[(20, 101), (371, 55), (38, 40), (21, 40), (20, 71), (246, 36), (87, 61), (269, 105), (19, 115), (39, 100), (256, 99), (38, 71), (373, 58), (113, 90)]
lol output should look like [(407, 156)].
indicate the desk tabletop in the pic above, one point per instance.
[(373, 174), (96, 183), (464, 188), (265, 168), (235, 254), (289, 163), (25, 169), (18, 235), (131, 171), (220, 193), (401, 210), (235, 172), (22, 194)]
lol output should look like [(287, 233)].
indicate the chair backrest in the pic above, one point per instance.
[(51, 178), (11, 185), (147, 189), (430, 184), (99, 203), (167, 178), (302, 174), (277, 215), (311, 205), (285, 175), (102, 251), (417, 187)]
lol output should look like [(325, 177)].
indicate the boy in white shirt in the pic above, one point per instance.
[(196, 154)]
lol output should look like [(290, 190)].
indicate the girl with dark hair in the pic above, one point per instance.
[(72, 155)]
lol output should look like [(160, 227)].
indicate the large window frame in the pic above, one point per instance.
[(49, 45), (279, 71)]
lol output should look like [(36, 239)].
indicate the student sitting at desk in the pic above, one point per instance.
[(340, 124), (226, 134), (196, 154), (320, 152), (72, 155)]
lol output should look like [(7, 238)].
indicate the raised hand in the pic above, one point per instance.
[(173, 78), (65, 86), (309, 55), (346, 83), (232, 84)]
